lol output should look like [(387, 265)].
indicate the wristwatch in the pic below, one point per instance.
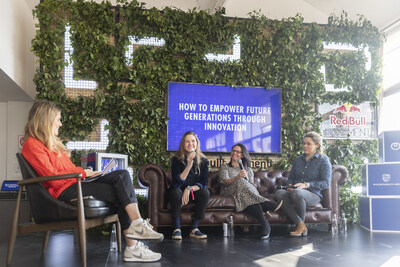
[(307, 184)]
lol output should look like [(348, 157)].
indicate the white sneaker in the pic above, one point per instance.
[(143, 231), (140, 253)]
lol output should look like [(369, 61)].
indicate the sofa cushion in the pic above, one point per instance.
[(215, 202), (221, 202)]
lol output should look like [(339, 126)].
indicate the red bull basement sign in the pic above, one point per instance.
[(345, 120)]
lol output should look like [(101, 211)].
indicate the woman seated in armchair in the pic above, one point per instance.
[(46, 153), (237, 180), (310, 174)]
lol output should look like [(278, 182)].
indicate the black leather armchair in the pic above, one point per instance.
[(50, 214)]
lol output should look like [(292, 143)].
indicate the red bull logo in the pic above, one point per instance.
[(347, 108), (341, 109), (348, 121), (353, 109)]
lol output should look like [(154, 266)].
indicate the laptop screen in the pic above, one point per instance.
[(9, 185)]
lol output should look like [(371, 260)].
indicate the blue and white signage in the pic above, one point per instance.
[(389, 146), (222, 116), (381, 179)]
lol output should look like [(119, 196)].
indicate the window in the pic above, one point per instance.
[(390, 98)]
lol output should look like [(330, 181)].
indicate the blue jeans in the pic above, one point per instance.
[(295, 202)]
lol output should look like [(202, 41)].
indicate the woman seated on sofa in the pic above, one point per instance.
[(310, 174), (237, 179), (189, 170), (48, 156)]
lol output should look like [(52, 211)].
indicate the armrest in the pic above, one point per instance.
[(154, 177), (78, 176), (340, 176)]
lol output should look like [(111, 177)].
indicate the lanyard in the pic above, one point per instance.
[(191, 190)]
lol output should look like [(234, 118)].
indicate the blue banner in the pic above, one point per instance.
[(222, 116)]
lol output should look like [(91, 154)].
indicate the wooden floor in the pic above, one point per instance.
[(356, 248)]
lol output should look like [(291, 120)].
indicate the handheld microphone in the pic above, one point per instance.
[(241, 166)]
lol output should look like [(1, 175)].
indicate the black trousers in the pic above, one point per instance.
[(200, 198), (257, 211), (115, 187)]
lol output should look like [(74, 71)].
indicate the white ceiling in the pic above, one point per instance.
[(381, 13)]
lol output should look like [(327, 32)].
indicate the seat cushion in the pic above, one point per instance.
[(221, 202), (90, 202), (215, 202)]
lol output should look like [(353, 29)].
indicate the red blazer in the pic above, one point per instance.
[(47, 163)]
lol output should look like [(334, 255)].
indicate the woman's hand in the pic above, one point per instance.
[(185, 196), (90, 173), (301, 185), (190, 158), (289, 189), (242, 174)]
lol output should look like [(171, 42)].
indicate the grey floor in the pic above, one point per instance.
[(356, 248)]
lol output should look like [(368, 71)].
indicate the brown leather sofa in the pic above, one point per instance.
[(221, 207)]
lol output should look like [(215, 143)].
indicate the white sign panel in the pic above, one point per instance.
[(345, 120)]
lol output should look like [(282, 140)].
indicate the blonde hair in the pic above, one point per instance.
[(317, 139), (180, 154), (40, 126)]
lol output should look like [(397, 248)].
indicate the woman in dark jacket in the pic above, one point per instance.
[(189, 170)]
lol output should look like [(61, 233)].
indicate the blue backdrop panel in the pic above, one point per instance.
[(380, 213), (222, 116), (381, 179), (389, 146)]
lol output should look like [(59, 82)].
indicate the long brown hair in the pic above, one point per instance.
[(246, 160), (181, 154), (40, 126)]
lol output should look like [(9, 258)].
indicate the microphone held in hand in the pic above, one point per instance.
[(240, 164)]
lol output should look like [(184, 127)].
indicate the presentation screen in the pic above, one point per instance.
[(222, 116)]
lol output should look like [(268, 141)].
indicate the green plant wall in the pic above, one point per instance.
[(274, 53)]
